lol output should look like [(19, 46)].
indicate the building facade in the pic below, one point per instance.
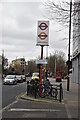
[(76, 44), (19, 65)]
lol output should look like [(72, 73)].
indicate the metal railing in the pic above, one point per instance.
[(33, 89)]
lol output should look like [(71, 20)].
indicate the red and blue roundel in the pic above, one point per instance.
[(43, 26)]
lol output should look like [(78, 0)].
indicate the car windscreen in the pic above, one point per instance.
[(10, 77), (19, 76), (35, 74)]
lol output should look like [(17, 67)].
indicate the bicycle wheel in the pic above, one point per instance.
[(47, 92), (42, 92), (54, 92)]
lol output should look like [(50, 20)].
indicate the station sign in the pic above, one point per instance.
[(43, 26), (43, 61), (43, 33)]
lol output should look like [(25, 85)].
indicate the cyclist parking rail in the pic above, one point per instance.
[(47, 89)]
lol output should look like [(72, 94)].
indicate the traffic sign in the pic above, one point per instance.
[(43, 26), (43, 61), (43, 33)]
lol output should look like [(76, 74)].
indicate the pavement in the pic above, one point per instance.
[(70, 98)]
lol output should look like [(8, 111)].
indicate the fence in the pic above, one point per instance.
[(33, 88)]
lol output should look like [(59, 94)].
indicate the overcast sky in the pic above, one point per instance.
[(18, 30)]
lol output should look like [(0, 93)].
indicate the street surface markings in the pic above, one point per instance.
[(18, 84), (8, 106), (19, 96), (68, 112), (32, 110), (25, 97), (34, 115)]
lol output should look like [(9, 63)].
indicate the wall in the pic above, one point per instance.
[(76, 49), (75, 70)]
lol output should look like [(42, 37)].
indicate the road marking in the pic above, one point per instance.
[(18, 84), (67, 110), (32, 110), (18, 96), (8, 106)]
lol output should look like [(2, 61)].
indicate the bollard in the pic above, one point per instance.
[(35, 89), (60, 92), (27, 88)]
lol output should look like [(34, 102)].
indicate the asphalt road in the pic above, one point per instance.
[(9, 92), (15, 107), (33, 109)]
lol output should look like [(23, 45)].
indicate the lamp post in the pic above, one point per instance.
[(55, 66), (2, 64), (50, 63), (68, 80), (16, 66)]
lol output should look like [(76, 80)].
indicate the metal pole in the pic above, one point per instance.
[(55, 66), (41, 69), (68, 80), (50, 63), (46, 60), (16, 66), (2, 64), (60, 92)]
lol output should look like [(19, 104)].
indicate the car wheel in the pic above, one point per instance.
[(3, 83), (24, 80)]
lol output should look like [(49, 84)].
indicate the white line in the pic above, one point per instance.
[(18, 85), (8, 106), (32, 110), (67, 110)]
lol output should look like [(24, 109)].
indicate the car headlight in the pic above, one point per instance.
[(4, 80), (33, 78)]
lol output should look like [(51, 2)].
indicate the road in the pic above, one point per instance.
[(10, 92), (15, 107), (32, 109)]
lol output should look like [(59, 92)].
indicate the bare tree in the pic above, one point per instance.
[(60, 62), (60, 11), (32, 67)]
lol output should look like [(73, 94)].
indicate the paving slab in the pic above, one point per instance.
[(70, 100)]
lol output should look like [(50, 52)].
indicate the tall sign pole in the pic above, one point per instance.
[(68, 80), (2, 63), (55, 66), (42, 40), (41, 69)]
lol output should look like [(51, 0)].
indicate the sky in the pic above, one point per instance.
[(18, 30)]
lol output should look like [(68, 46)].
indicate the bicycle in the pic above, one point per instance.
[(49, 91)]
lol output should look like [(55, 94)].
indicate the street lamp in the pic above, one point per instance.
[(68, 80), (2, 64)]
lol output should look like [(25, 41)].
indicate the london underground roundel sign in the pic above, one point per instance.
[(42, 35), (43, 26)]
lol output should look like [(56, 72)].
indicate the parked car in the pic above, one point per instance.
[(23, 77), (35, 76), (19, 78), (28, 75), (10, 79)]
